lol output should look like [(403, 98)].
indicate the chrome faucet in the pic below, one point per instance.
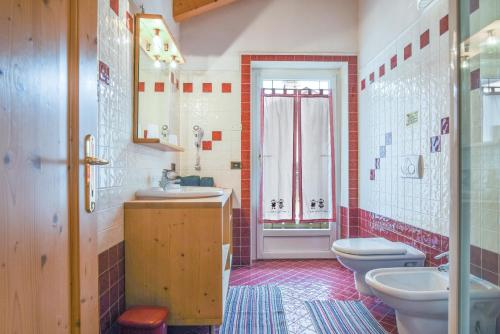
[(168, 176), (445, 266)]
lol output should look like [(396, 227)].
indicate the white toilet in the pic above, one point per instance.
[(364, 254)]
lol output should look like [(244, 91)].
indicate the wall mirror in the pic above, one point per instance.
[(156, 84)]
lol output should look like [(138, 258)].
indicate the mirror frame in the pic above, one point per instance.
[(153, 142)]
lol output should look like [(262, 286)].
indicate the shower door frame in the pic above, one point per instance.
[(300, 237)]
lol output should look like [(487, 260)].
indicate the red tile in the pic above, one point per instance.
[(114, 4), (424, 39), (216, 135), (226, 87), (381, 71), (130, 22), (443, 25), (394, 62), (141, 86), (187, 87), (207, 87), (159, 87), (473, 6), (104, 72), (372, 77), (363, 84), (475, 79), (206, 145), (407, 52)]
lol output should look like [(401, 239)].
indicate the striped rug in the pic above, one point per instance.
[(254, 310), (342, 317)]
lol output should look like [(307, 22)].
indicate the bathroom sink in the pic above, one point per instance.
[(420, 298), (180, 192)]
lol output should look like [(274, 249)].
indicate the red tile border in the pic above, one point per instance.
[(226, 87), (206, 145), (407, 52), (114, 5), (394, 62), (443, 25), (475, 79), (473, 6), (381, 71), (375, 225), (130, 22), (187, 87), (111, 285), (207, 87), (141, 86), (425, 39), (216, 135), (159, 87)]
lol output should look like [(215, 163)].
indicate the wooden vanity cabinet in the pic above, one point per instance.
[(178, 254)]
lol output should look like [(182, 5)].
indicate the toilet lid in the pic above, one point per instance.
[(368, 246)]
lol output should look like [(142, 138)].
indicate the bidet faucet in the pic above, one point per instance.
[(445, 266)]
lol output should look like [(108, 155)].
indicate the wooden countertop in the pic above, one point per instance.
[(206, 202)]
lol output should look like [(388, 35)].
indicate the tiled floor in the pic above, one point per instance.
[(301, 280)]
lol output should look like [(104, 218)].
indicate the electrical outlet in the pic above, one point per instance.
[(235, 164)]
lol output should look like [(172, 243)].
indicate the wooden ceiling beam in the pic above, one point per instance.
[(186, 9)]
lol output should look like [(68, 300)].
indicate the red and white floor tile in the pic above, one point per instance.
[(302, 280)]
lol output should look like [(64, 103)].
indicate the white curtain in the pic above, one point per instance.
[(315, 158), (278, 166)]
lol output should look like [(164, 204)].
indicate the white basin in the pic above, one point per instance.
[(420, 298), (180, 192)]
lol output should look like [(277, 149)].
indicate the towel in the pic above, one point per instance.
[(207, 182), (191, 181)]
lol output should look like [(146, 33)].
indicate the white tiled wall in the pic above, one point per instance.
[(132, 166), (420, 84), (214, 111)]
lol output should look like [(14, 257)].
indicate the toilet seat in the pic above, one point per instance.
[(373, 249), (368, 246)]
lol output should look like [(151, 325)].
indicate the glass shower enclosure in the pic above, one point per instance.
[(479, 160)]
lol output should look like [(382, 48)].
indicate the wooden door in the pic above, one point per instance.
[(34, 224), (48, 96)]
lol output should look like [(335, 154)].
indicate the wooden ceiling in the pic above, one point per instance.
[(185, 9)]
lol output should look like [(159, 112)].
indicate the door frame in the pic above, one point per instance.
[(82, 90), (333, 72)]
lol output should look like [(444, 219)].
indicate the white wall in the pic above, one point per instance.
[(216, 39), (132, 166), (419, 84), (380, 22)]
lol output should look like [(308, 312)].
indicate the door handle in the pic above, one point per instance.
[(91, 160), (94, 161)]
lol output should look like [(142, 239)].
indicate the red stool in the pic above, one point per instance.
[(143, 320)]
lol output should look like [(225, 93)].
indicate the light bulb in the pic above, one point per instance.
[(173, 64), (465, 63), (157, 62), (158, 43)]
